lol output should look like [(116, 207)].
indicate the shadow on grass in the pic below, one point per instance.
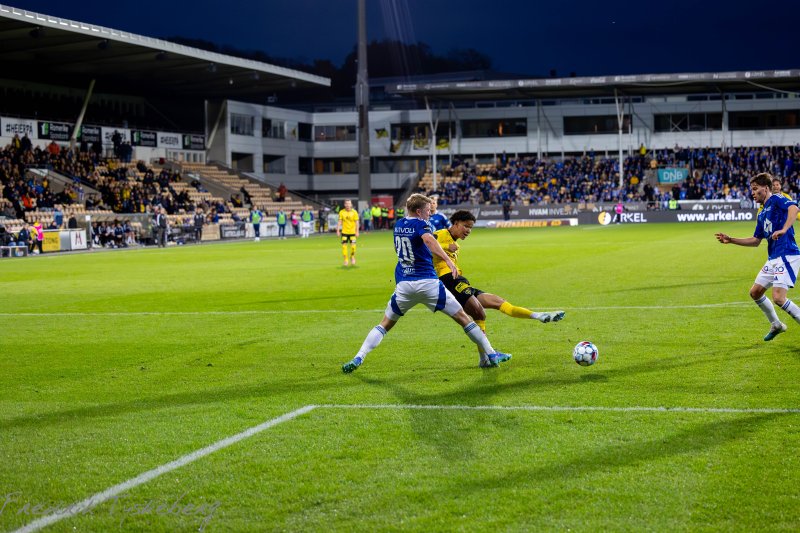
[(454, 443), (168, 401), (687, 442), (672, 286), (289, 298), (436, 427), (487, 386)]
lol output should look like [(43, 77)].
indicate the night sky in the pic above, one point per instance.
[(520, 36)]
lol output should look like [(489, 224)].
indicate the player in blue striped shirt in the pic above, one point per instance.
[(774, 223), (417, 283)]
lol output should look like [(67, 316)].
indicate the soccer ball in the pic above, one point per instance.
[(585, 353)]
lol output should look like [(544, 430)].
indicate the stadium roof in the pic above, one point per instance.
[(48, 49), (633, 85)]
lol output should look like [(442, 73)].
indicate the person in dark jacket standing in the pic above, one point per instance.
[(161, 227), (199, 220)]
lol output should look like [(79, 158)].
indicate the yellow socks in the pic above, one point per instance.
[(514, 311)]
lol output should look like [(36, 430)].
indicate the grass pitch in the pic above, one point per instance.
[(112, 364)]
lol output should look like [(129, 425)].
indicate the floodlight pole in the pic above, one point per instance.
[(620, 118), (433, 125), (362, 105), (79, 122), (724, 121), (539, 130)]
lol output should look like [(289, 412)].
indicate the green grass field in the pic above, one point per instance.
[(113, 364)]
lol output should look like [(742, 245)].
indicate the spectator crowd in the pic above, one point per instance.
[(713, 174)]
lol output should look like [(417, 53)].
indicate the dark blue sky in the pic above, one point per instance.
[(530, 37)]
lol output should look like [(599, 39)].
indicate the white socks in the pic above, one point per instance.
[(769, 310), (793, 310), (374, 338), (478, 337)]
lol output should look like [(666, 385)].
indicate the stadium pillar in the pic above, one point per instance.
[(362, 104), (539, 130), (724, 120), (630, 127), (620, 119), (79, 122), (433, 126), (450, 134)]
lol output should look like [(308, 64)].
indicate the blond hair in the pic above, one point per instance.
[(416, 202)]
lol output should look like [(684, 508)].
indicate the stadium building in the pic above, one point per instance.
[(173, 102)]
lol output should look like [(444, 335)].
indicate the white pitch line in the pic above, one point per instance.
[(316, 311), (561, 408), (100, 497)]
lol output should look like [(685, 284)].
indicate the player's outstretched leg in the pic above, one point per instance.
[(374, 338), (492, 301)]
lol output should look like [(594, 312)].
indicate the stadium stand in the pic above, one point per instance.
[(33, 181), (714, 174), (253, 193)]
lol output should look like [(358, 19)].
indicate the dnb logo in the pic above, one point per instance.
[(604, 218)]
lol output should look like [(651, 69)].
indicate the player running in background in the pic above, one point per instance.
[(417, 284), (347, 229), (472, 299), (783, 257), (438, 220)]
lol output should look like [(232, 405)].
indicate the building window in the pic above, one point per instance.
[(391, 165), (593, 124), (764, 120), (513, 127), (420, 130), (242, 124), (273, 129), (679, 122), (274, 164), (335, 166), (334, 133), (304, 165), (242, 162), (304, 131)]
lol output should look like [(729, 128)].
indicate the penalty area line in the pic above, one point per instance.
[(316, 311), (569, 408), (96, 499)]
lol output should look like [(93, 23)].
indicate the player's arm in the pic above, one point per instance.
[(445, 240), (436, 249), (339, 226), (746, 241), (790, 218), (358, 219)]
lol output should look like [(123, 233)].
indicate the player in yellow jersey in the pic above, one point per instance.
[(347, 229), (474, 300)]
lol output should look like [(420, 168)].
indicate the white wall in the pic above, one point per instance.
[(551, 131)]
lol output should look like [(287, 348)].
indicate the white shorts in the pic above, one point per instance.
[(779, 273), (430, 292)]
